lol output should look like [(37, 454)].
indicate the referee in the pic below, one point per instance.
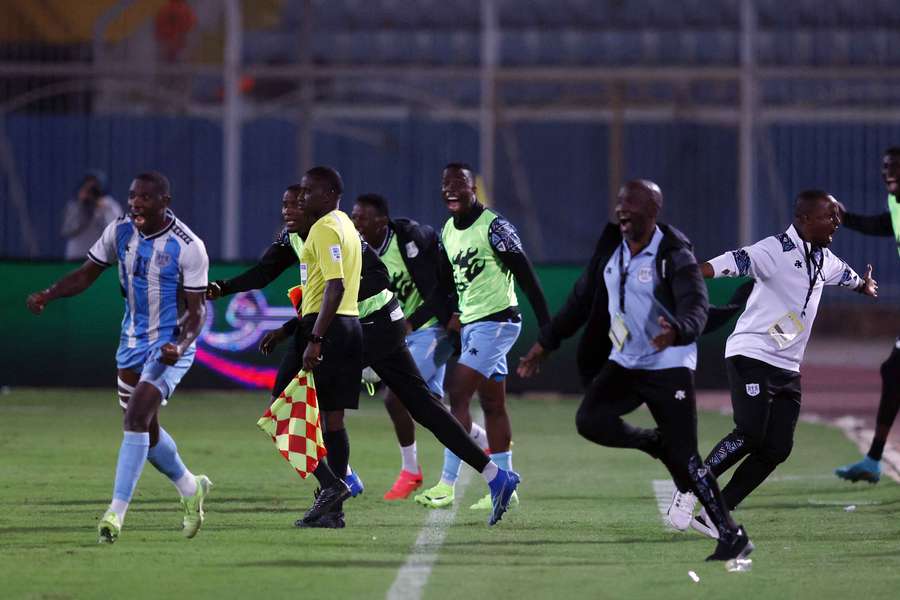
[(329, 335), (763, 354), (643, 304)]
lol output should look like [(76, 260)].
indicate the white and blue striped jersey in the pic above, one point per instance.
[(154, 273)]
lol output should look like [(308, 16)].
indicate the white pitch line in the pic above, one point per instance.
[(413, 575), (663, 490)]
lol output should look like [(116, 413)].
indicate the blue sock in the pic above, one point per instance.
[(503, 460), (132, 456), (164, 456), (452, 463)]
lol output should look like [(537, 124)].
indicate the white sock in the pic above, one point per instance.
[(490, 471), (479, 436), (410, 458), (186, 484), (120, 507), (349, 471)]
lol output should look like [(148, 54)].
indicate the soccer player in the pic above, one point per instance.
[(763, 354), (410, 253), (482, 258), (643, 304), (384, 349), (886, 224), (163, 276)]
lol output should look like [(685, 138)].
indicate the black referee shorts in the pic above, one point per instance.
[(338, 375)]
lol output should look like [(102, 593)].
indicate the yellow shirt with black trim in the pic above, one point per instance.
[(332, 251)]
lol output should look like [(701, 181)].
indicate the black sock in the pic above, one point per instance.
[(324, 475), (338, 445), (876, 449)]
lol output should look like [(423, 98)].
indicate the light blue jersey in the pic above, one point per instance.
[(154, 273), (641, 279)]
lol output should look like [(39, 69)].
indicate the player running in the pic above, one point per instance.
[(163, 275), (411, 255), (482, 258), (886, 224), (763, 354)]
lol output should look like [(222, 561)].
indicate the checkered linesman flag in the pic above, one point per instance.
[(293, 422)]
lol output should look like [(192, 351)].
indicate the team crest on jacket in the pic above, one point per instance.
[(412, 250), (645, 275), (753, 389), (162, 259)]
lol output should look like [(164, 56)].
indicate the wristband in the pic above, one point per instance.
[(315, 339)]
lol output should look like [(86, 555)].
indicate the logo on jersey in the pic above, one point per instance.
[(412, 250), (303, 273), (752, 389), (162, 259), (680, 395), (468, 267), (645, 275), (335, 252), (402, 286)]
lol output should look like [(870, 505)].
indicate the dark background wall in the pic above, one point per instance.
[(565, 168)]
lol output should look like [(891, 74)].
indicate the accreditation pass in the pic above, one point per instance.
[(618, 331)]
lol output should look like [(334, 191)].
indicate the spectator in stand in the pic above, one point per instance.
[(88, 214)]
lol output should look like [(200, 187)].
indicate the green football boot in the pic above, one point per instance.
[(486, 504), (440, 496), (109, 528), (193, 507)]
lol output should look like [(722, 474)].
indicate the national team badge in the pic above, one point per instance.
[(752, 389), (412, 250), (645, 275), (162, 259)]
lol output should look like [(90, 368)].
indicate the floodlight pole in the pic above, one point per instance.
[(746, 124), (231, 130), (487, 121)]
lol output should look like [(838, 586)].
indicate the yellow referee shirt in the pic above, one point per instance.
[(332, 251)]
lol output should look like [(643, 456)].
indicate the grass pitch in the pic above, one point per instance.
[(588, 525)]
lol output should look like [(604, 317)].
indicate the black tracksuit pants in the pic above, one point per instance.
[(669, 394), (766, 401)]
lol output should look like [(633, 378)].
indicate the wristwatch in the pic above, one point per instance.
[(315, 339)]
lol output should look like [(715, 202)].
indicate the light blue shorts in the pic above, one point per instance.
[(163, 377), (485, 345), (431, 350)]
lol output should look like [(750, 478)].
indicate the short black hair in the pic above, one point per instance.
[(158, 179), (329, 176), (892, 151), (376, 201), (294, 188), (461, 166), (807, 199)]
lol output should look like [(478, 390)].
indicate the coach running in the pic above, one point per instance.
[(643, 303)]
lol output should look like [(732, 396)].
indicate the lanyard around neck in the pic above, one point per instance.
[(623, 276), (813, 271)]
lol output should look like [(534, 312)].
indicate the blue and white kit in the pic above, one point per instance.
[(154, 273)]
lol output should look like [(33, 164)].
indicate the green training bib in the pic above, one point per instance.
[(894, 208), (484, 285), (401, 281)]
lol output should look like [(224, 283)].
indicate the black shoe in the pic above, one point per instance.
[(733, 545), (326, 499), (330, 520)]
